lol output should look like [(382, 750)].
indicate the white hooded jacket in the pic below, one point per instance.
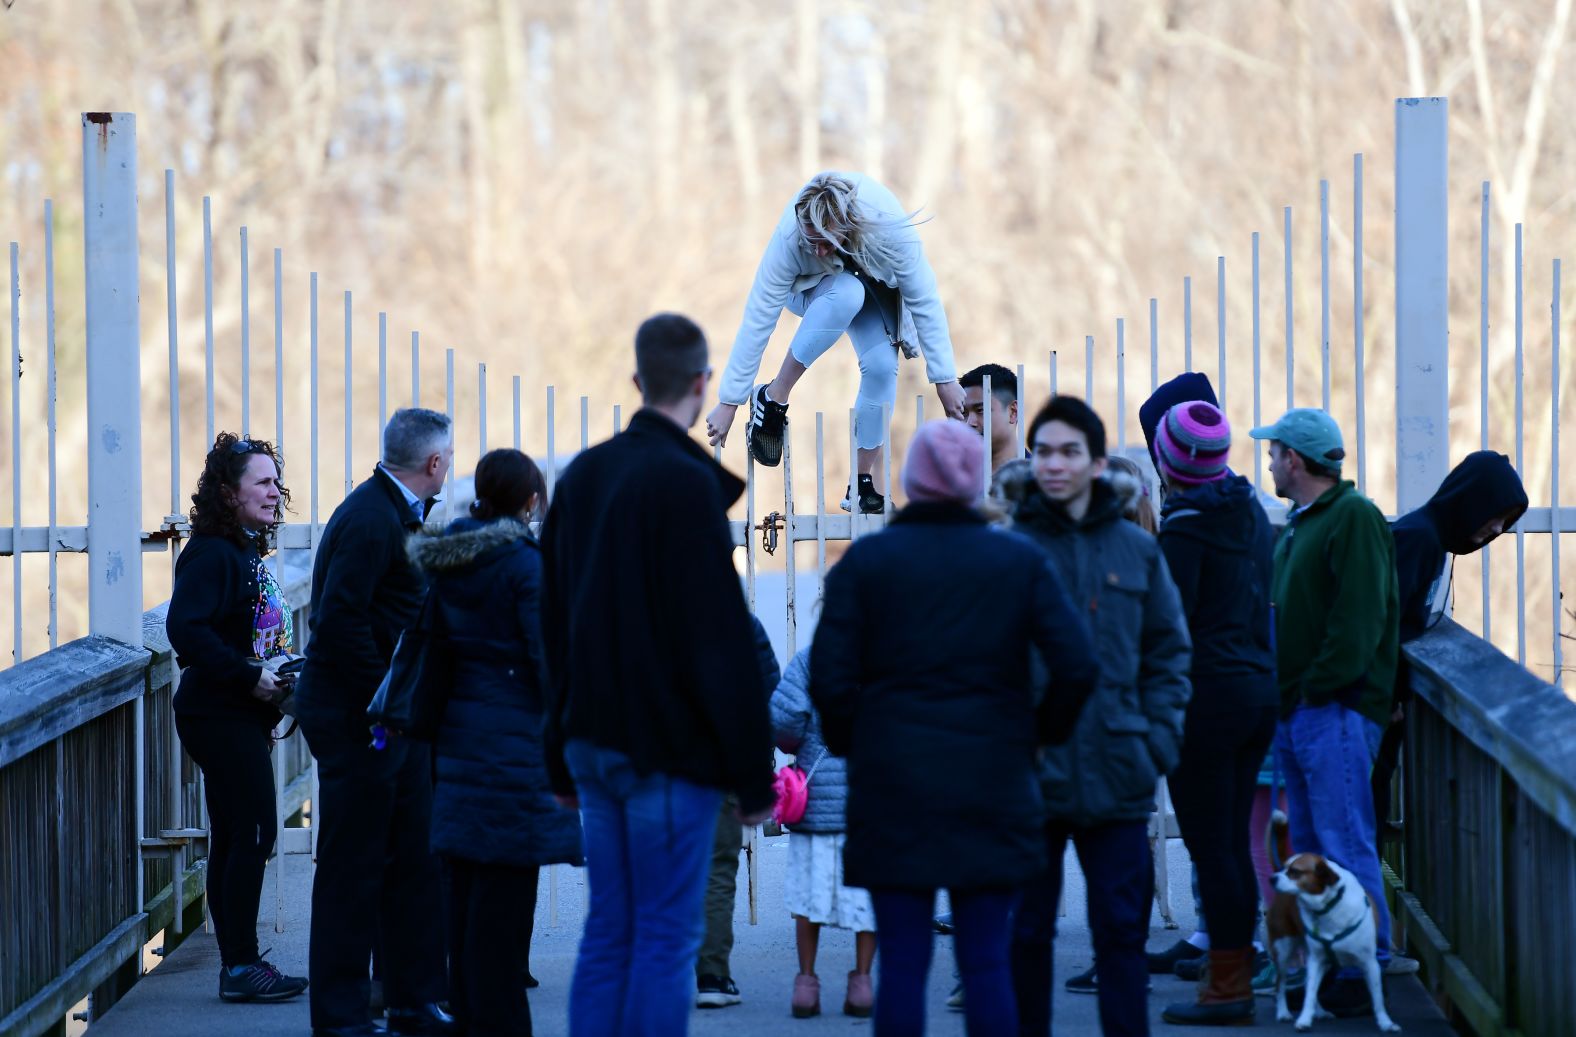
[(788, 267)]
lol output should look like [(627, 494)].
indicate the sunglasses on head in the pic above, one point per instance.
[(246, 446)]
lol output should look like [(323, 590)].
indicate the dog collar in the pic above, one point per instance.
[(1340, 891)]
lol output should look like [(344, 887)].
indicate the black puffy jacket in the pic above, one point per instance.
[(493, 803)]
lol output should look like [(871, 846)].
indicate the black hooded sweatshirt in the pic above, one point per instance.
[(1184, 388), (1220, 547), (1482, 487)]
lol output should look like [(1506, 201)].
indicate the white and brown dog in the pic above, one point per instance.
[(1321, 907)]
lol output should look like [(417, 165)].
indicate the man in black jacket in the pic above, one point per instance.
[(1481, 498), (655, 699), (376, 882)]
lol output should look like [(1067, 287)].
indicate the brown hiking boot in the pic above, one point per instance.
[(1225, 992)]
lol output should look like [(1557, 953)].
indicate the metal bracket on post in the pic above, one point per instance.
[(1422, 300)]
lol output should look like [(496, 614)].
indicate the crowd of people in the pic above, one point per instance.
[(1020, 667)]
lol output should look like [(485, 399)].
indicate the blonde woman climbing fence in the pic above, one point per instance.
[(846, 258)]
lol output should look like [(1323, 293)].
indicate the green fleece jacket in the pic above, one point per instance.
[(1337, 609)]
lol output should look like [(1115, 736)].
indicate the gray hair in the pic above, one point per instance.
[(830, 206), (412, 435)]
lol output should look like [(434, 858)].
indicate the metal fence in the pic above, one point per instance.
[(319, 407)]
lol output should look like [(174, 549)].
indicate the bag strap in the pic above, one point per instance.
[(811, 772)]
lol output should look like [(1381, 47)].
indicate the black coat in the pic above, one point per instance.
[(365, 593), (209, 623), (920, 671), (1482, 487), (1220, 547), (493, 803), (649, 646)]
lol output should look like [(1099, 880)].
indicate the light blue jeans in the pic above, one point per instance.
[(837, 305), (1326, 753), (648, 843)]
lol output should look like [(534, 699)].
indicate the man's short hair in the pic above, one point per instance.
[(1070, 410), (1315, 468), (670, 350), (1003, 383), (414, 434)]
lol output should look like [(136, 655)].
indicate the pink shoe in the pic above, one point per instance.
[(806, 996), (861, 998)]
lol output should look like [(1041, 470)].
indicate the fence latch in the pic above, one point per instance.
[(769, 526), (174, 527)]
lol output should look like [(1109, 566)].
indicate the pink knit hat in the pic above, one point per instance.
[(946, 462)]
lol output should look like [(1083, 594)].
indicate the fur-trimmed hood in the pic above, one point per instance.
[(463, 543)]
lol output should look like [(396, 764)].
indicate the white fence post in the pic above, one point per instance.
[(109, 233), (1422, 304)]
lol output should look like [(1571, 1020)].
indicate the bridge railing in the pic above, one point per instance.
[(1484, 882), (102, 823)]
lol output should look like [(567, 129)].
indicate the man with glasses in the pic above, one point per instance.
[(377, 885), (846, 258), (655, 707)]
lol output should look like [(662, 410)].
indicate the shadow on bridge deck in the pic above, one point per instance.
[(181, 995)]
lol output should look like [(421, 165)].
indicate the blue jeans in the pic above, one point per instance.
[(1121, 882), (981, 923), (838, 304), (1325, 753), (647, 841)]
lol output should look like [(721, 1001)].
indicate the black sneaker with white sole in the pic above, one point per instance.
[(716, 992), (768, 425), (259, 981), (870, 502)]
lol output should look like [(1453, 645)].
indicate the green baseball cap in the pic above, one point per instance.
[(1309, 431)]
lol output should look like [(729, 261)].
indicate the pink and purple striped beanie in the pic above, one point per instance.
[(1191, 443)]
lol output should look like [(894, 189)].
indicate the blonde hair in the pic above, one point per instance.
[(1132, 486), (829, 206)]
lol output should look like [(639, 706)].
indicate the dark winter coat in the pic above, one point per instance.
[(648, 640), (493, 803), (209, 623), (1130, 734), (1481, 488), (1220, 551), (920, 672), (365, 593)]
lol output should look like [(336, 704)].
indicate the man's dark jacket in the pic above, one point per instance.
[(1482, 487), (365, 593), (1130, 733), (649, 646)]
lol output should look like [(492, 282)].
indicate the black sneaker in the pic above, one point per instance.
[(1083, 983), (716, 992), (768, 423), (1164, 962), (259, 981), (1086, 983), (870, 502)]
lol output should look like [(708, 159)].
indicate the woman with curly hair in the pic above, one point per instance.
[(227, 616)]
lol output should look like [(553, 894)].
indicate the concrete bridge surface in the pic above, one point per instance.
[(181, 994)]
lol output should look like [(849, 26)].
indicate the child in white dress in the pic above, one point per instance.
[(816, 894)]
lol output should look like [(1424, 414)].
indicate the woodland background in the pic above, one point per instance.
[(523, 181)]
